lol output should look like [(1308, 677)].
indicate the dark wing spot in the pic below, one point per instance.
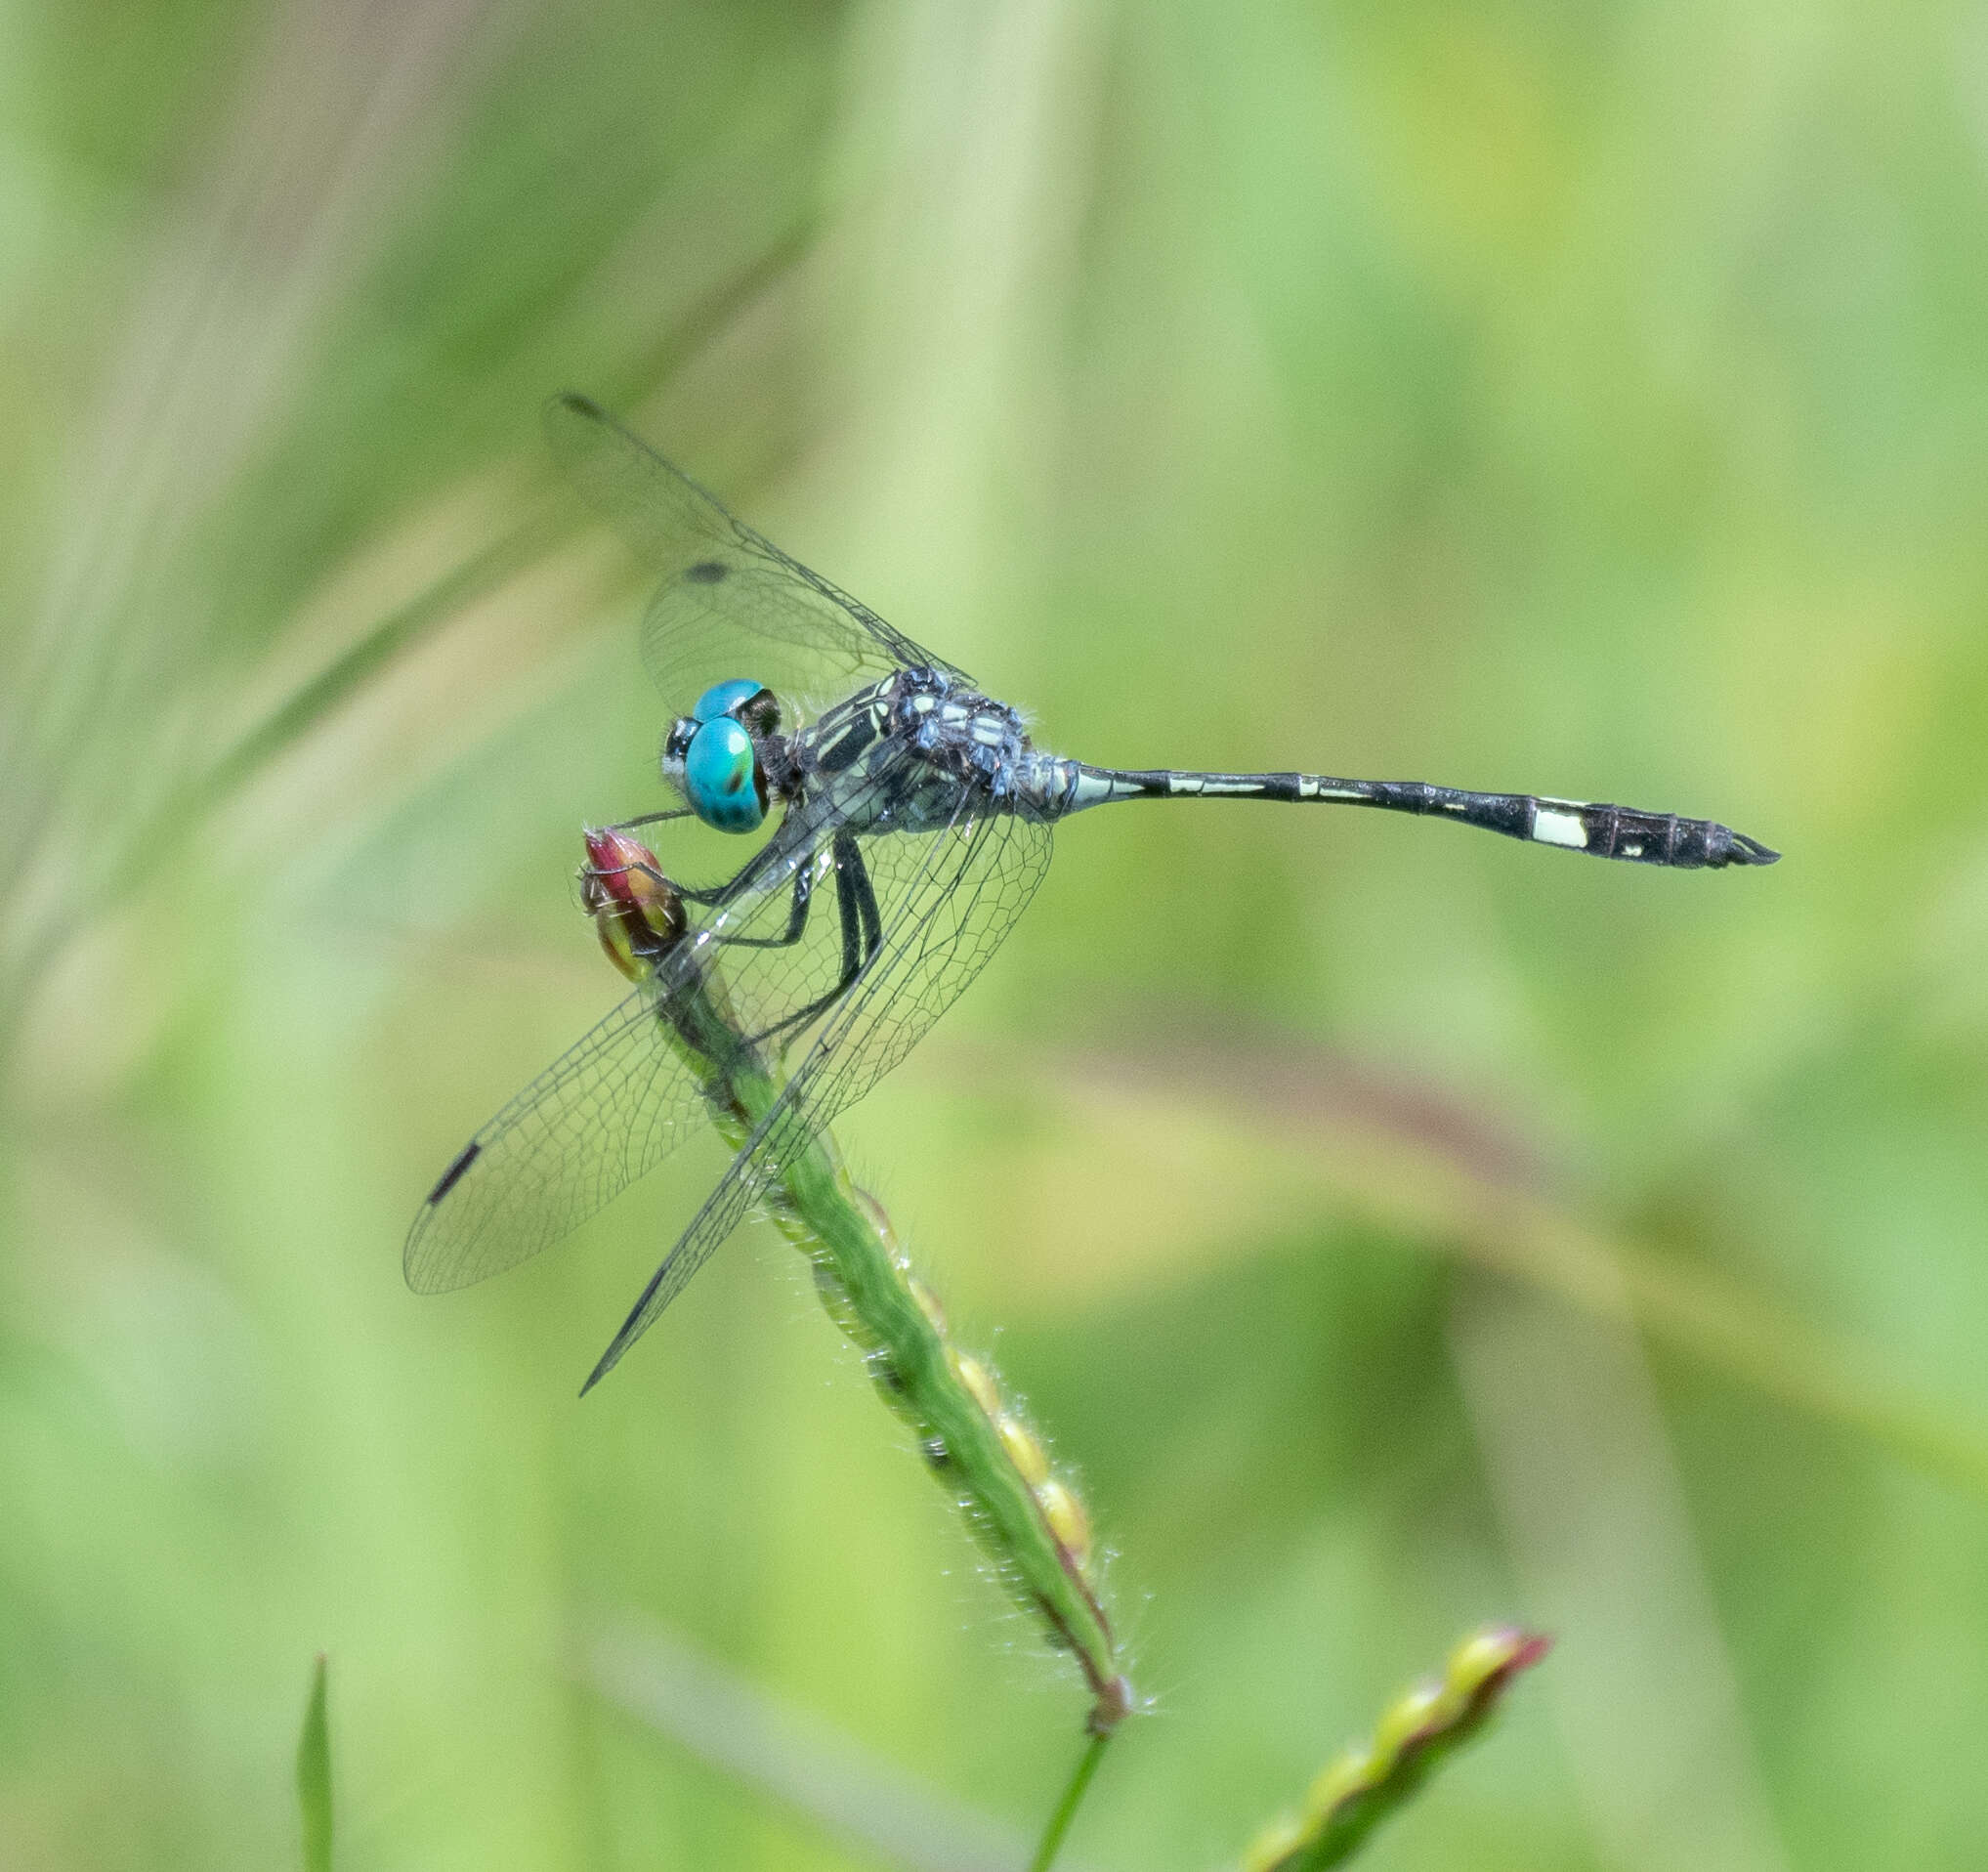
[(706, 572), (453, 1174)]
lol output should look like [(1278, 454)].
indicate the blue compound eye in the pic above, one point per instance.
[(721, 775), (722, 698)]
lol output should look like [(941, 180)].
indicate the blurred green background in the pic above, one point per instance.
[(1394, 1227)]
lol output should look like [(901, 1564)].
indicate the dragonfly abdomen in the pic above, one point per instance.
[(1605, 830)]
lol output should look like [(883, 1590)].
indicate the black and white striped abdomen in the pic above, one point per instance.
[(1603, 831), (1639, 837)]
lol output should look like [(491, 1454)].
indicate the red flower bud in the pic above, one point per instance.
[(636, 909)]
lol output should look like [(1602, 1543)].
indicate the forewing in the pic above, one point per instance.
[(971, 885), (731, 604), (619, 1101), (607, 1110)]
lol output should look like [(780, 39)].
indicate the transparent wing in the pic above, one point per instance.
[(607, 1110), (619, 1101), (970, 884), (732, 604)]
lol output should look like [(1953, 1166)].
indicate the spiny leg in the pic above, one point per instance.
[(797, 915), (722, 896), (649, 818), (862, 932)]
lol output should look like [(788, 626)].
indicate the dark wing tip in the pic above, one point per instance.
[(574, 426), (426, 1274), (607, 1362), (640, 1319), (565, 421), (453, 1174)]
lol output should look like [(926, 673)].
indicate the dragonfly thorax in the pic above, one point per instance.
[(968, 739)]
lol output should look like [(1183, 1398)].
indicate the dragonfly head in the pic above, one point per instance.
[(715, 754)]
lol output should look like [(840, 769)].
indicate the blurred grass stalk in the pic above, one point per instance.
[(1600, 1525), (1714, 1318), (735, 1726), (1349, 1148), (40, 916)]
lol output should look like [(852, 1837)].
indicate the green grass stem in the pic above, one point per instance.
[(1073, 1798), (313, 1774), (1030, 1522)]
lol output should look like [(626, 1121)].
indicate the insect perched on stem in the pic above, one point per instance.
[(886, 784)]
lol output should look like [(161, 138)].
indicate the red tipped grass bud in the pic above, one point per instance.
[(1067, 1519), (1490, 1653), (1024, 1450), (636, 909), (1418, 1728)]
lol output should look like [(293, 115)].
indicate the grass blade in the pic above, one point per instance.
[(314, 1775), (789, 1757)]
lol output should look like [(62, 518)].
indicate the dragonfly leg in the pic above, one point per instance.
[(862, 932), (742, 882), (797, 915)]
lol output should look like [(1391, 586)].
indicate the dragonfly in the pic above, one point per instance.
[(904, 819)]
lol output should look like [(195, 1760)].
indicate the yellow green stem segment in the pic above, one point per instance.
[(1417, 1733), (1030, 1520)]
